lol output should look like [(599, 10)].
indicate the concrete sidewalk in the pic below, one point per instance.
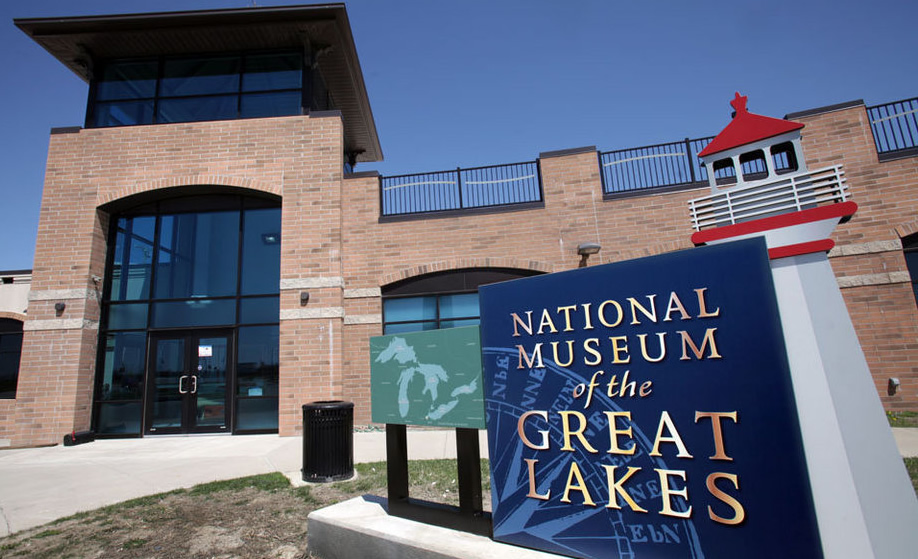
[(38, 485)]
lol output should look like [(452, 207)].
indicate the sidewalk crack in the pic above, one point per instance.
[(6, 521)]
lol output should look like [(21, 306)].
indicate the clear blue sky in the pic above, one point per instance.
[(471, 83)]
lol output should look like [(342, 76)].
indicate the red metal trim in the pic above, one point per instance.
[(840, 210), (823, 245)]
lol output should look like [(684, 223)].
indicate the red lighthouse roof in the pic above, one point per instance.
[(746, 128)]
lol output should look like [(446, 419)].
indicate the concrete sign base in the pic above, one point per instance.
[(361, 527)]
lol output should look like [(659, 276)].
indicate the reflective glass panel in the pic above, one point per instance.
[(122, 113), (200, 76), (209, 382), (198, 255), (459, 306), (127, 80), (196, 109), (123, 366), (197, 312), (410, 308), (284, 103), (257, 364), (409, 327), (459, 323), (119, 418), (265, 72), (256, 414), (10, 350), (261, 251), (133, 258), (127, 317), (911, 262), (259, 310), (169, 373)]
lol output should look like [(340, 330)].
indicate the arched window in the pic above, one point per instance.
[(439, 300), (10, 350), (190, 324)]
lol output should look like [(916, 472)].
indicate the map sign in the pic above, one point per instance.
[(428, 378), (644, 409)]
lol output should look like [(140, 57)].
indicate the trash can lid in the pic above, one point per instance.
[(328, 405)]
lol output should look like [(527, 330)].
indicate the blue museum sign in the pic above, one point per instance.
[(644, 409)]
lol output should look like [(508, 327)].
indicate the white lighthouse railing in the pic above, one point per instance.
[(790, 193)]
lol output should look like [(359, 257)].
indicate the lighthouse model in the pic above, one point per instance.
[(761, 187)]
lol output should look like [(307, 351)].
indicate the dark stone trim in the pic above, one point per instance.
[(361, 175), (563, 152), (462, 213), (898, 154), (826, 109), (66, 130), (326, 114)]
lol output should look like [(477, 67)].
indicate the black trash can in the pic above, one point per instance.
[(328, 441)]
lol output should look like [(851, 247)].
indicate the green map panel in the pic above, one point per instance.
[(428, 378)]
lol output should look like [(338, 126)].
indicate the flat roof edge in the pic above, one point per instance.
[(111, 22)]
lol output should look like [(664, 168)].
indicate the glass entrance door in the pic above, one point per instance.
[(189, 382)]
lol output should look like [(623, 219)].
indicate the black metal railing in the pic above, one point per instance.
[(479, 187), (895, 126), (634, 170), (660, 165)]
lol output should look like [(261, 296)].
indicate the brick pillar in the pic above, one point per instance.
[(54, 395), (311, 331)]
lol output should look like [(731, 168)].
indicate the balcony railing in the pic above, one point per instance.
[(791, 193), (637, 171), (479, 187), (649, 167), (895, 127)]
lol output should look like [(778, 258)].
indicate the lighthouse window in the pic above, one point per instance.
[(784, 157), (753, 165), (724, 172)]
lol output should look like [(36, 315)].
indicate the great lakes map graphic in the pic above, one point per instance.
[(428, 378)]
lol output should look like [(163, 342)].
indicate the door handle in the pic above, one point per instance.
[(180, 381), (194, 384)]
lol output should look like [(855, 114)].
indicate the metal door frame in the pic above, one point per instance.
[(192, 338)]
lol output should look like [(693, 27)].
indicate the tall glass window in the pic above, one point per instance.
[(910, 248), (199, 88), (187, 263), (10, 350)]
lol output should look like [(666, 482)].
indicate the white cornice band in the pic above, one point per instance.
[(60, 324), (873, 279)]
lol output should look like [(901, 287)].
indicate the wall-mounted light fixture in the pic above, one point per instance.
[(59, 307), (304, 298), (892, 386), (585, 250)]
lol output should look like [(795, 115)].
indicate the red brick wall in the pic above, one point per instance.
[(546, 239), (336, 248), (868, 259), (299, 158)]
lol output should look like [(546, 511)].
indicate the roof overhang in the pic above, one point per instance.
[(323, 28)]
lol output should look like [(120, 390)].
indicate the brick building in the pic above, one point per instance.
[(208, 261)]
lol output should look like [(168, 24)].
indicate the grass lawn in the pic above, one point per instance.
[(902, 418), (259, 516)]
